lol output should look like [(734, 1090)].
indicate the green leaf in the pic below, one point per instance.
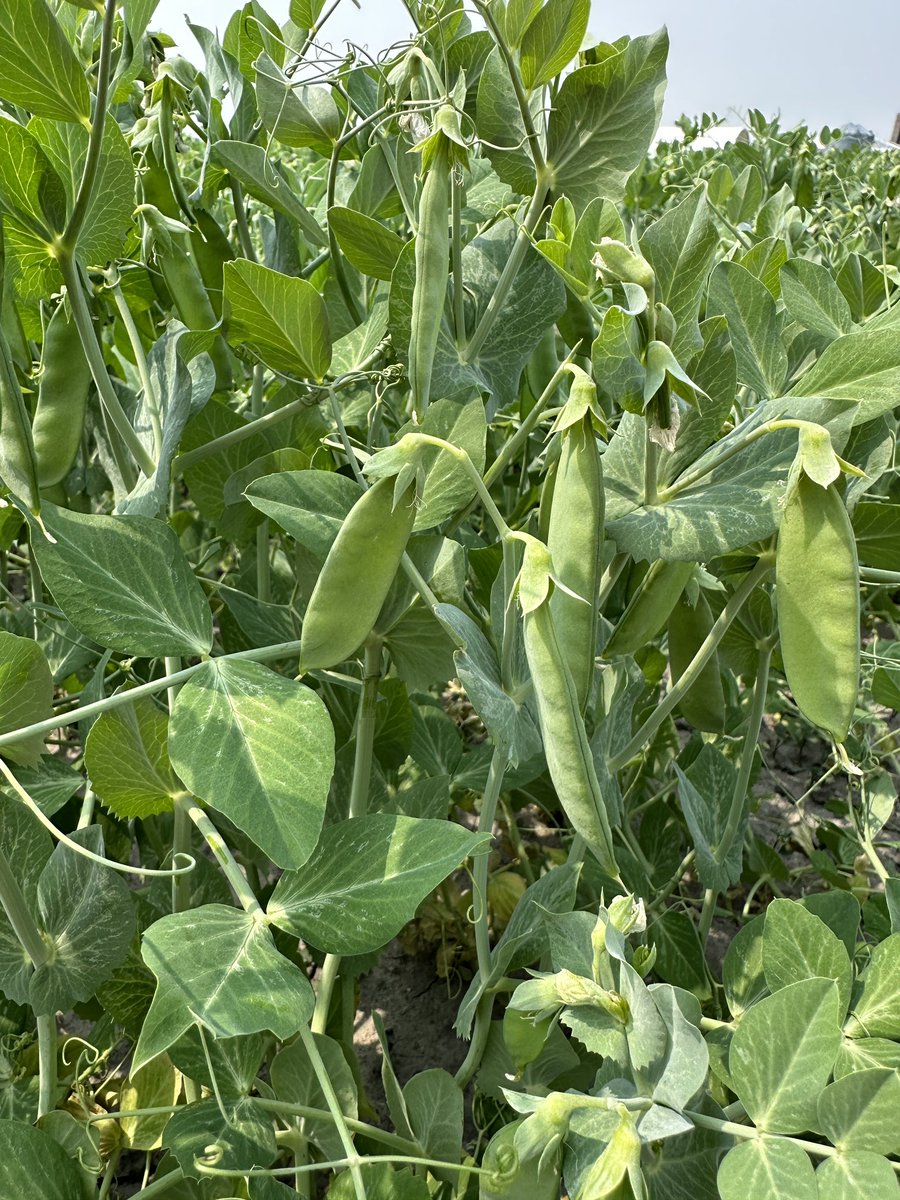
[(370, 246), (679, 955), (296, 115), (498, 122), (156, 1086), (86, 917), (280, 319), (754, 325), (706, 794), (234, 1063), (127, 760), (767, 1168), (305, 13), (863, 366), (765, 260), (26, 695), (812, 297), (273, 782), (875, 1011), (246, 1139), (366, 879), (309, 505), (125, 582), (38, 67), (27, 847), (294, 1080), (552, 40), (683, 1071), (782, 1054), (798, 945), (604, 119), (681, 247), (218, 967), (877, 528), (262, 177), (50, 784), (34, 200), (860, 1174), (434, 1105), (859, 1111), (35, 1167)]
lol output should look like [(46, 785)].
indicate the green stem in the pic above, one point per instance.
[(707, 912), (140, 358), (263, 567), (695, 667), (531, 134), (109, 1175), (873, 575), (334, 1107), (222, 854), (245, 238), (479, 1041), (170, 158), (480, 869), (94, 356), (88, 181), (337, 260), (480, 487), (459, 300), (372, 1132), (59, 720), (651, 466), (159, 1186), (748, 752), (181, 822), (354, 1163)]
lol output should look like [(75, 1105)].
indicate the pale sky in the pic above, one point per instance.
[(823, 61)]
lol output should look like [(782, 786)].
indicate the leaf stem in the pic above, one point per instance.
[(334, 1107), (223, 856), (150, 397)]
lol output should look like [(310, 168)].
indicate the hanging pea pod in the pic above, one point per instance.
[(817, 596), (649, 608), (18, 470), (704, 703), (357, 575), (65, 384)]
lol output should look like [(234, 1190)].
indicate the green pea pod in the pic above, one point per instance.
[(511, 1179), (817, 595), (357, 575), (432, 252), (704, 704), (543, 364), (18, 470), (58, 423), (575, 542), (566, 747), (192, 303), (649, 608)]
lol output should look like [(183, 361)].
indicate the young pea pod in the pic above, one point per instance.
[(512, 1179), (432, 252), (575, 542), (649, 608), (704, 704), (566, 746), (65, 383), (357, 575), (18, 471), (817, 595)]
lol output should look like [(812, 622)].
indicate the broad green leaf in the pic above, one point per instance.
[(273, 781), (840, 912), (382, 1183), (305, 13), (863, 366), (370, 246), (746, 195), (848, 1176), (862, 284), (782, 1054), (50, 784), (754, 325), (156, 1085), (296, 115), (38, 67), (875, 1010), (27, 847), (127, 760), (797, 945), (681, 247), (234, 1063), (604, 118), (294, 1080), (552, 40), (706, 793), (26, 695), (859, 1111), (85, 914), (813, 298), (33, 1166), (765, 260), (499, 124), (218, 967), (767, 1168), (125, 582), (857, 1054), (877, 528), (261, 176), (683, 1071), (309, 505), (280, 319), (245, 1139), (679, 955), (366, 879), (34, 202), (434, 1104)]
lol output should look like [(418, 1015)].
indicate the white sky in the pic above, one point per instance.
[(823, 61)]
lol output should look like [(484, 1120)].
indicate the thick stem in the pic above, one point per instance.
[(695, 667), (334, 1107), (651, 466), (95, 145), (480, 869), (479, 1041), (222, 854)]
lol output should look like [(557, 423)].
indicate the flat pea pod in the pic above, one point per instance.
[(356, 575), (58, 423), (18, 470), (703, 705), (189, 296), (817, 598), (575, 542), (568, 754), (543, 364), (432, 255), (649, 608), (511, 1179)]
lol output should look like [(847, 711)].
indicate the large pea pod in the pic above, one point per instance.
[(703, 705), (63, 390), (575, 542), (511, 1179), (649, 608), (17, 465), (193, 305), (357, 575), (432, 253), (817, 596), (569, 758)]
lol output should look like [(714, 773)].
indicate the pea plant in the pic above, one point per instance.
[(427, 512)]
